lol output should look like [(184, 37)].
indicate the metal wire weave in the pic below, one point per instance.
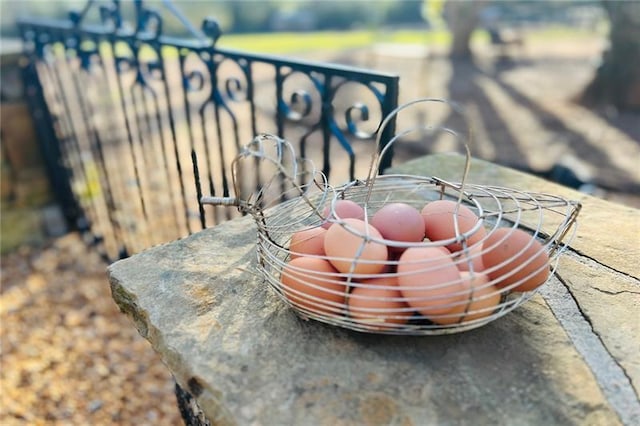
[(298, 198)]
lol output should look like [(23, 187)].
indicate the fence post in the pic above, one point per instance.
[(45, 131), (390, 103)]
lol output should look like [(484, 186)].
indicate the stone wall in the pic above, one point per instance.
[(27, 198)]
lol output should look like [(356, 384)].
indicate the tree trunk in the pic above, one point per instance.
[(617, 79), (462, 19)]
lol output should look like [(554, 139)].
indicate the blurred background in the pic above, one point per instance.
[(264, 16), (551, 87)]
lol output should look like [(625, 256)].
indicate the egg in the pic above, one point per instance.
[(351, 253), (482, 301), (378, 307), (387, 280), (308, 241), (343, 209), (399, 222), (439, 224), (429, 280), (314, 284), (444, 250), (472, 256), (512, 256)]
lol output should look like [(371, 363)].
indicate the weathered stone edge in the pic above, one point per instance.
[(610, 374), (204, 395)]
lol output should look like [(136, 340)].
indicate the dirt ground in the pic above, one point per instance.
[(70, 357), (521, 104)]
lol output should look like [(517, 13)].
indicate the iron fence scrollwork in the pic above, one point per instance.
[(137, 124)]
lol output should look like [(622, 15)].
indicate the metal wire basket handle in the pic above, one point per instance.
[(380, 152), (279, 153)]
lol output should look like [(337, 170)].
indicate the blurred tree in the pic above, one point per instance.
[(617, 79), (433, 12), (462, 18), (344, 15), (404, 12), (250, 16)]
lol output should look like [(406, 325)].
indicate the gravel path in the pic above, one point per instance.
[(68, 355)]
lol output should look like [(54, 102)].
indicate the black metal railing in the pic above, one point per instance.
[(137, 125)]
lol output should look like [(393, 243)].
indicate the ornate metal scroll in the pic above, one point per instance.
[(137, 124)]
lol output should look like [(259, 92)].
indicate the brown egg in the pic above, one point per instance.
[(344, 209), (351, 253), (429, 280), (390, 280), (399, 222), (481, 301), (378, 307), (308, 241), (439, 223), (513, 256), (444, 250), (312, 283), (472, 257)]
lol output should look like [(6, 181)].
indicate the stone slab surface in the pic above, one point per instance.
[(230, 341), (600, 273), (569, 357), (611, 303)]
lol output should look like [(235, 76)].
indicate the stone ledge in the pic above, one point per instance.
[(606, 298), (215, 323), (248, 359)]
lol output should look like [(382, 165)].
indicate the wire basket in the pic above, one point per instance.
[(354, 255)]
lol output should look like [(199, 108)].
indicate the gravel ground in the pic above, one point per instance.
[(68, 355)]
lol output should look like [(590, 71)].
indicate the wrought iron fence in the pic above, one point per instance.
[(137, 125)]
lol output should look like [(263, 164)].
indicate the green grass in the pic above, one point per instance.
[(294, 43), (19, 226), (290, 43), (285, 43), (553, 33)]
